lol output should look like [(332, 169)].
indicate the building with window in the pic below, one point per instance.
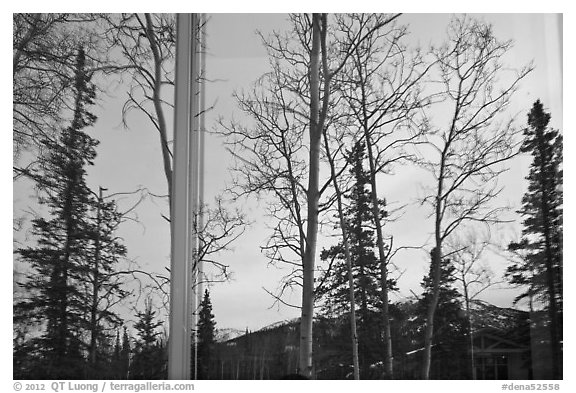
[(499, 356)]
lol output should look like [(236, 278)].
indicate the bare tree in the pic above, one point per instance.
[(381, 87), (270, 163), (271, 157), (217, 230), (473, 276), (335, 175), (274, 161), (466, 155), (317, 118), (147, 46)]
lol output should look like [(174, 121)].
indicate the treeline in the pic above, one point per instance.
[(272, 353), (118, 357)]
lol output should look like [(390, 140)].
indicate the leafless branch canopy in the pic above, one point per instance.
[(468, 154)]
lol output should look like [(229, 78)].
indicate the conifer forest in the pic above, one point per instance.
[(381, 196)]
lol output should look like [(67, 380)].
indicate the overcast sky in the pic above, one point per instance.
[(131, 158)]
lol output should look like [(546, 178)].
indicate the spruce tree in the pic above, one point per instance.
[(71, 285), (365, 265), (58, 260), (120, 357), (541, 241), (206, 331), (450, 325), (116, 363), (125, 356), (148, 359)]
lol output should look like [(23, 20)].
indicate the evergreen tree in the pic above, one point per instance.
[(206, 331), (406, 330), (449, 359), (365, 265), (541, 242), (148, 360), (58, 260), (72, 286), (115, 363), (121, 356), (125, 356)]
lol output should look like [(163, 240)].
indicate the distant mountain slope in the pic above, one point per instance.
[(272, 351), (226, 334), (486, 315), (510, 323)]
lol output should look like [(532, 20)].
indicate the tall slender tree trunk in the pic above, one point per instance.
[(95, 285), (157, 101), (388, 359), (469, 319), (436, 263), (363, 309), (353, 328), (429, 330), (62, 279), (305, 364)]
